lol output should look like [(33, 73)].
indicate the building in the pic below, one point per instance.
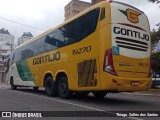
[(74, 7), (26, 36), (96, 1), (6, 46)]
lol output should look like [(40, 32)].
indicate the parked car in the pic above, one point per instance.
[(155, 79)]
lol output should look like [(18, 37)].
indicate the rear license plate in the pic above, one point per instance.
[(134, 83)]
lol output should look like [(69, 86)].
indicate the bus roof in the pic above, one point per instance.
[(71, 19), (65, 22)]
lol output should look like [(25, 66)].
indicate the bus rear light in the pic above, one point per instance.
[(109, 1), (114, 81), (108, 63)]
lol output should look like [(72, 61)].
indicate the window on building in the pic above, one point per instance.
[(74, 5), (73, 11)]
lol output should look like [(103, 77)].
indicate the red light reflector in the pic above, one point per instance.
[(109, 0)]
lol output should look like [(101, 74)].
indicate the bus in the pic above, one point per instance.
[(106, 48)]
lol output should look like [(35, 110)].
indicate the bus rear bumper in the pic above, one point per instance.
[(126, 84), (134, 85)]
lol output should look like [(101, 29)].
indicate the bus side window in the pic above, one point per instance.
[(102, 14), (88, 23), (50, 42)]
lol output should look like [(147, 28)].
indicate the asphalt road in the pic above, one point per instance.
[(25, 100)]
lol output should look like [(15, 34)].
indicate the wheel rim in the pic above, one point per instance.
[(48, 88), (63, 88)]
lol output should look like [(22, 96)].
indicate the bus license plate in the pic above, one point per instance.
[(134, 83)]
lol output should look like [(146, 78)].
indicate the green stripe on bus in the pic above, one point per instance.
[(24, 71)]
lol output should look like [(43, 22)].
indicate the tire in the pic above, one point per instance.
[(50, 87), (63, 89), (99, 94), (13, 87), (35, 88)]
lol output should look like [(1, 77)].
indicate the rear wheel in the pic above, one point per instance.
[(50, 87), (99, 94), (63, 89), (13, 87)]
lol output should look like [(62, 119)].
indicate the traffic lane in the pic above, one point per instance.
[(18, 101), (112, 102), (22, 101), (41, 93)]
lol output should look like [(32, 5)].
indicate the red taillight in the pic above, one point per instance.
[(109, 1), (150, 68), (108, 63)]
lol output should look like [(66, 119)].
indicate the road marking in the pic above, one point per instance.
[(62, 101), (139, 94)]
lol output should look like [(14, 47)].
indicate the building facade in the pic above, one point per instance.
[(74, 7), (6, 46), (96, 1), (26, 36)]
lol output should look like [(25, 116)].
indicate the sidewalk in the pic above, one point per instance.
[(151, 92), (3, 85), (155, 90)]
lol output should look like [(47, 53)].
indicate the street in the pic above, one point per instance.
[(26, 99)]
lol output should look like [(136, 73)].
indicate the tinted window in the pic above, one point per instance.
[(81, 27), (74, 31), (102, 14), (17, 55), (39, 46), (52, 41), (68, 34)]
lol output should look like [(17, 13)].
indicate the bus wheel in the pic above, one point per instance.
[(35, 88), (99, 94), (63, 89), (50, 87), (13, 87)]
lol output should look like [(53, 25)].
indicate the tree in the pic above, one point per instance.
[(154, 1), (156, 61), (155, 37)]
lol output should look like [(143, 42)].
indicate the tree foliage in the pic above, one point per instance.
[(156, 61), (155, 37), (154, 1)]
